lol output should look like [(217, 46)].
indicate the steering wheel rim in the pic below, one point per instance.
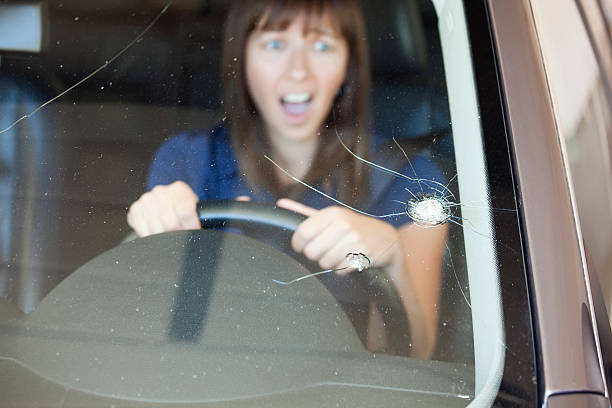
[(215, 213), (243, 214)]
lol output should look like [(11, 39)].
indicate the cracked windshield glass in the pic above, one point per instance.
[(245, 203)]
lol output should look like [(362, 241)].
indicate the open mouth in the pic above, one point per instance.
[(296, 104)]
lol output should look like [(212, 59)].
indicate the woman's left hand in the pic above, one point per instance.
[(328, 235)]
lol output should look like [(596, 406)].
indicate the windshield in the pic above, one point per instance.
[(332, 152)]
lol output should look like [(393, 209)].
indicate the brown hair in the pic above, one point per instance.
[(333, 167)]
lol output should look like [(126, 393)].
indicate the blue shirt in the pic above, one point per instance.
[(206, 161)]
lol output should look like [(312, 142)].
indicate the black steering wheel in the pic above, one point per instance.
[(216, 213)]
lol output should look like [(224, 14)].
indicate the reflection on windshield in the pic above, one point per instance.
[(106, 63), (418, 163)]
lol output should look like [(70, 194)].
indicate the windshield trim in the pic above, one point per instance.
[(520, 369)]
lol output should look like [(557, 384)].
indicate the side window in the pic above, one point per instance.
[(578, 70)]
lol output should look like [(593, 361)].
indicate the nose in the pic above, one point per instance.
[(299, 65)]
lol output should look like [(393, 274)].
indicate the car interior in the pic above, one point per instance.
[(70, 169)]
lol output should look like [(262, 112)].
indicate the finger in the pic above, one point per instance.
[(296, 207), (163, 210), (327, 239), (142, 224), (159, 210), (191, 222), (187, 215), (154, 225), (315, 225), (184, 206), (136, 221), (243, 198), (336, 256)]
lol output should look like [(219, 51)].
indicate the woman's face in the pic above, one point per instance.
[(294, 75)]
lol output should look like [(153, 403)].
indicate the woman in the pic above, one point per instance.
[(295, 75)]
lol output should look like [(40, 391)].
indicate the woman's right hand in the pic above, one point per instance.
[(164, 208)]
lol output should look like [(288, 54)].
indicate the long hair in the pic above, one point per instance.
[(333, 168)]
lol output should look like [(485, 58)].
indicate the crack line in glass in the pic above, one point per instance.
[(106, 64), (426, 210)]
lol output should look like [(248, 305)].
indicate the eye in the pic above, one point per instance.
[(274, 44), (321, 46)]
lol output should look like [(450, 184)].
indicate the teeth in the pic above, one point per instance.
[(296, 97)]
